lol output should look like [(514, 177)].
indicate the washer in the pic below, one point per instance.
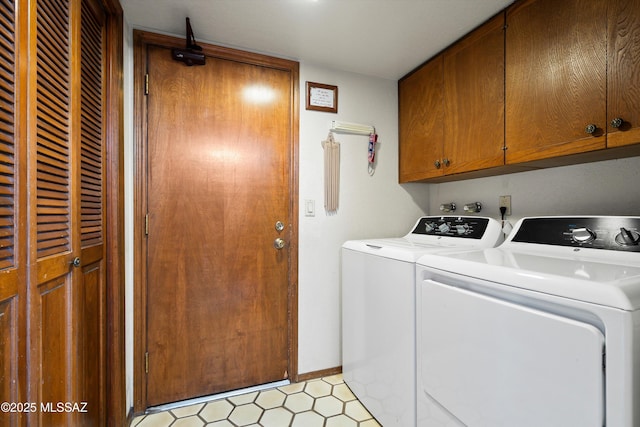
[(543, 330), (378, 310)]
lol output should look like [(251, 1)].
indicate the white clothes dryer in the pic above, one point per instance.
[(378, 310), (543, 330)]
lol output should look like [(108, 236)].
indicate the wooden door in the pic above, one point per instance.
[(13, 250), (623, 89), (56, 243), (92, 310), (420, 123), (218, 163), (555, 78), (67, 306), (474, 100), (53, 327)]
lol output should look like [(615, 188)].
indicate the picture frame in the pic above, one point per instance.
[(322, 97)]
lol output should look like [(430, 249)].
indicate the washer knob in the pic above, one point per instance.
[(627, 237), (444, 228), (462, 229), (583, 235)]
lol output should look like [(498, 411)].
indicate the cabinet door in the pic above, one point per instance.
[(623, 95), (555, 78), (421, 130), (474, 100)]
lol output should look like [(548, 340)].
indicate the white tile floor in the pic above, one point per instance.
[(325, 402)]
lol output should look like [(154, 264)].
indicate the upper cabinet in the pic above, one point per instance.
[(474, 100), (623, 88), (555, 78), (420, 123), (560, 85), (451, 120)]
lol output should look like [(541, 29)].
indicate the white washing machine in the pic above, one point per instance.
[(543, 330), (378, 310)]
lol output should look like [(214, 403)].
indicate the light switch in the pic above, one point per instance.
[(309, 208)]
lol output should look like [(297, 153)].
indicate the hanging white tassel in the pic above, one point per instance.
[(331, 174)]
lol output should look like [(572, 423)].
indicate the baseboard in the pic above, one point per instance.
[(319, 374)]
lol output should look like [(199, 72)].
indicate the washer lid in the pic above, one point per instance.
[(401, 248), (580, 275), (434, 234)]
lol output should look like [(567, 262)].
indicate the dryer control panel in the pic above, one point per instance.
[(452, 226), (604, 232)]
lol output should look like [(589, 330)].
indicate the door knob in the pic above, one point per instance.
[(437, 164), (278, 243), (76, 262), (617, 122), (590, 129), (279, 226)]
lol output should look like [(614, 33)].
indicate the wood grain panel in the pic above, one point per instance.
[(420, 122), (93, 343), (8, 358), (624, 72), (555, 78), (474, 100), (55, 345)]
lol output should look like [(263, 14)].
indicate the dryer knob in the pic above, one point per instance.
[(627, 237), (583, 235)]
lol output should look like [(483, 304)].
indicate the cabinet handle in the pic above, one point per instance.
[(446, 162), (437, 164), (617, 122), (590, 129)]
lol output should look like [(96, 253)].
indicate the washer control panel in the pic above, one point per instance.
[(610, 233), (452, 226)]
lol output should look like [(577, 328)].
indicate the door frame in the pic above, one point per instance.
[(116, 405), (142, 40)]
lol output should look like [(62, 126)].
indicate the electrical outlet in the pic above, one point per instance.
[(505, 201)]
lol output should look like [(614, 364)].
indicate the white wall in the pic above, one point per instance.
[(602, 188), (370, 206)]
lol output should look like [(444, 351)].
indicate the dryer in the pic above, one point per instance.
[(543, 330), (378, 309)]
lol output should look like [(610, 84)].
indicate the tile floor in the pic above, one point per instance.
[(325, 402)]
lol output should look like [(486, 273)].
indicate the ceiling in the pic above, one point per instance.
[(382, 38)]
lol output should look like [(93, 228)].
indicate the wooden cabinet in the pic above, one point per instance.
[(474, 100), (420, 122), (451, 116), (623, 73), (571, 92), (555, 78)]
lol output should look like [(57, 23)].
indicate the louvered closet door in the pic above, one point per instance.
[(56, 244), (12, 266), (69, 304), (92, 213), (53, 311)]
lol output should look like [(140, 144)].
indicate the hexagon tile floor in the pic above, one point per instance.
[(325, 402)]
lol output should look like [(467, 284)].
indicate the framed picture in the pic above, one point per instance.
[(321, 97)]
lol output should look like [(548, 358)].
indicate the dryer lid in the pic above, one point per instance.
[(558, 271)]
